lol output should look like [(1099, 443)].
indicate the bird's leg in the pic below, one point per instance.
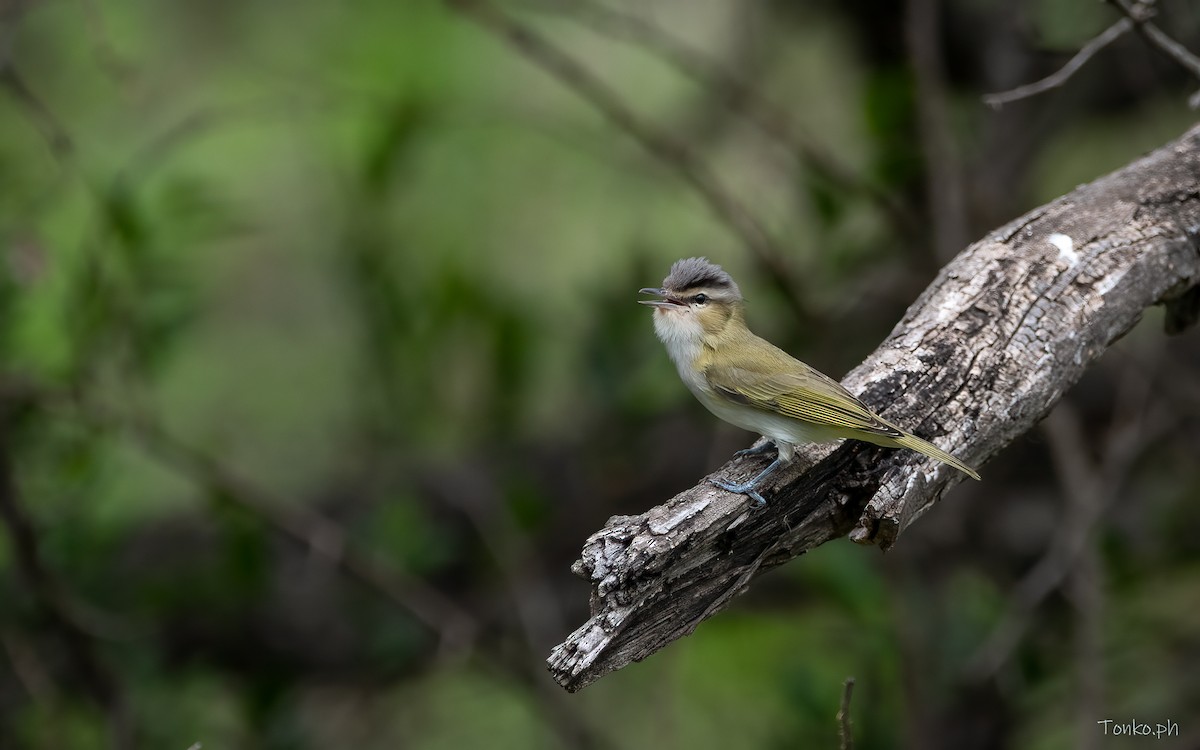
[(750, 489), (758, 450)]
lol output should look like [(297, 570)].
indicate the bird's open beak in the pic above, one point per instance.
[(666, 301)]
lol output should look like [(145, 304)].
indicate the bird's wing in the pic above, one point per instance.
[(800, 393)]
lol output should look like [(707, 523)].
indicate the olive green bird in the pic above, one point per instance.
[(750, 383)]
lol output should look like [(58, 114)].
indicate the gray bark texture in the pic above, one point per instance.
[(984, 354)]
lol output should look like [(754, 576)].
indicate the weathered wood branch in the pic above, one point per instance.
[(984, 353)]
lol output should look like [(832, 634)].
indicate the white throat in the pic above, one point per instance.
[(683, 336)]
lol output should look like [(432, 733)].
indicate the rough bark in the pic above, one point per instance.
[(984, 353)]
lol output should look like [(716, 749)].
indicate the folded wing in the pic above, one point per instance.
[(800, 393)]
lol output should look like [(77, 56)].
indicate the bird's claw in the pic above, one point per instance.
[(744, 488)]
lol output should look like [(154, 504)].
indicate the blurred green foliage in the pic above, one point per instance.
[(366, 261)]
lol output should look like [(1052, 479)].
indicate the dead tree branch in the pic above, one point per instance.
[(983, 355)]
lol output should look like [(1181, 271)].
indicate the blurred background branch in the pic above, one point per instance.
[(1137, 17), (86, 667), (944, 190), (1063, 74), (740, 97), (657, 142), (1141, 13)]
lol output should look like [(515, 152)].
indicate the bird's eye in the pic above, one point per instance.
[(700, 299)]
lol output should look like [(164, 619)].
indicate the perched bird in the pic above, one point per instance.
[(748, 382)]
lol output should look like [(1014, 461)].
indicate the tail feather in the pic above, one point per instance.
[(929, 449)]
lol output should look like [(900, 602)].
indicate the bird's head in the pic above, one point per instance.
[(698, 299)]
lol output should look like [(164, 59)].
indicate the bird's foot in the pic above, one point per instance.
[(750, 489), (758, 450), (741, 488)]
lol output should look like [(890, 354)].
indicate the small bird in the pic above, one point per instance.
[(750, 383)]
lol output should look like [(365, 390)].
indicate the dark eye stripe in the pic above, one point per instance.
[(709, 280)]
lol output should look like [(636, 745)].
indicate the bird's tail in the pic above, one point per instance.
[(929, 449)]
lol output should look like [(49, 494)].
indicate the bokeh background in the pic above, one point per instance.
[(320, 361)]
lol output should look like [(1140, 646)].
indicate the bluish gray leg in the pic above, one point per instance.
[(758, 450), (750, 489)]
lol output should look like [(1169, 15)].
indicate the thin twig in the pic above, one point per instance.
[(553, 59), (1140, 14), (1063, 74), (845, 736)]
